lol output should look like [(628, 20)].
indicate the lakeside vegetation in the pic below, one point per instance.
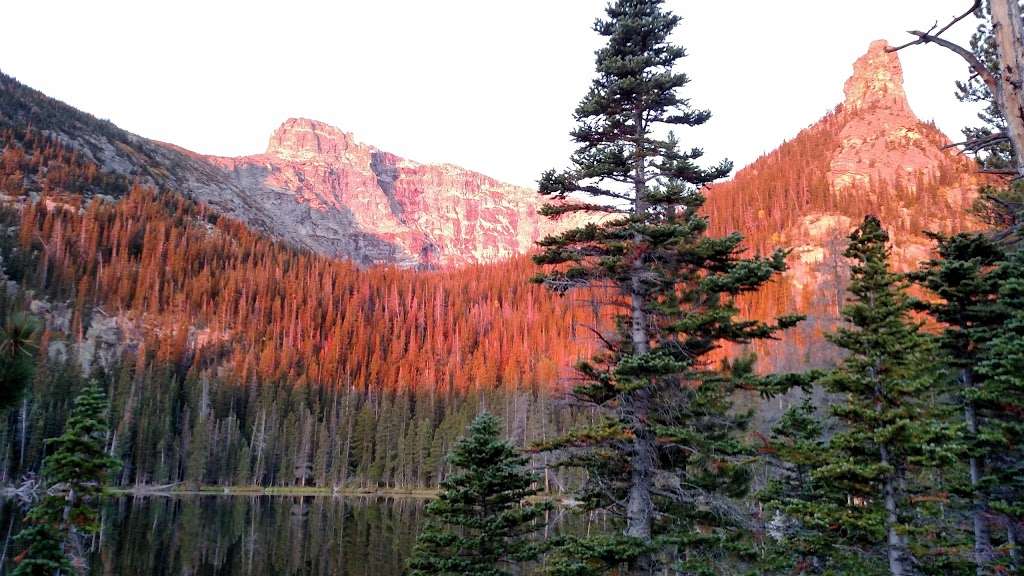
[(234, 365)]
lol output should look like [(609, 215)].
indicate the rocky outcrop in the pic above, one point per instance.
[(872, 155), (882, 140), (377, 207), (315, 187)]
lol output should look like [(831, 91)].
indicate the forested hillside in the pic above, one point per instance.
[(870, 155), (235, 359), (238, 359)]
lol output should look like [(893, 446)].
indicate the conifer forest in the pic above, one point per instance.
[(329, 359)]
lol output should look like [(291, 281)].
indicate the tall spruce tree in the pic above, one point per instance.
[(75, 472), (794, 450), (965, 280), (999, 399), (675, 285), (480, 521), (891, 428)]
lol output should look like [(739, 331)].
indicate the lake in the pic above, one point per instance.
[(231, 535), (207, 535)]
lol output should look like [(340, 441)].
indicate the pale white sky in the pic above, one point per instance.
[(486, 84)]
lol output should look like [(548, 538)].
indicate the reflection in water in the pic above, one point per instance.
[(236, 535), (219, 535)]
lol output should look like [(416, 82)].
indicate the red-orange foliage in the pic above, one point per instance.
[(269, 312)]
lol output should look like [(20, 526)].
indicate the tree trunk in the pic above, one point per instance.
[(639, 506), (897, 545), (1008, 31), (979, 504), (1013, 543)]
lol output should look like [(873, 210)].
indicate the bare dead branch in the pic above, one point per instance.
[(977, 144), (928, 37), (976, 65), (974, 7), (600, 336)]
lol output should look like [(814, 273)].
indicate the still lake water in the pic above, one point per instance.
[(221, 535), (234, 535)]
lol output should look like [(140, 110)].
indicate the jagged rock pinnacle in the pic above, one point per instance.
[(302, 139), (877, 81)]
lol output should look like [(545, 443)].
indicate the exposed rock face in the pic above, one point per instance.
[(380, 208), (315, 187), (871, 156), (884, 147), (882, 139), (877, 82)]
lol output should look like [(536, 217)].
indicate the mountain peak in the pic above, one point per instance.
[(877, 81), (303, 139)]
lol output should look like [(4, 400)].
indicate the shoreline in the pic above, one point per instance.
[(270, 491)]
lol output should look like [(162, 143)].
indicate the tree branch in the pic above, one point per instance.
[(974, 7), (976, 65), (977, 144)]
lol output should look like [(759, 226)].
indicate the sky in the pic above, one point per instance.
[(489, 85)]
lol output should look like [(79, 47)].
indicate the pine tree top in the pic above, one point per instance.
[(481, 520)]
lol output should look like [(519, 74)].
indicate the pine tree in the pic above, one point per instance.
[(965, 280), (1000, 402), (480, 520), (43, 551), (795, 449), (78, 462), (890, 427), (75, 472), (675, 286)]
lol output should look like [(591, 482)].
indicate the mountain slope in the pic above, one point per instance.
[(428, 215), (315, 187), (871, 155)]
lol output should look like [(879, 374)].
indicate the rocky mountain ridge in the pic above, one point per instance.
[(419, 214), (315, 186), (871, 155)]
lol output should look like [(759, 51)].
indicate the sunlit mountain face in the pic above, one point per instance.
[(326, 297), (871, 155)]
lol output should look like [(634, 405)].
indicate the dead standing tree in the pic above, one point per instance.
[(997, 63), (1005, 80)]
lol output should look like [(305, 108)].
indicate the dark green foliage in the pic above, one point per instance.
[(864, 479), (1000, 401), (75, 472), (795, 449), (575, 556), (965, 280), (79, 463), (17, 357), (480, 521), (43, 554), (666, 454)]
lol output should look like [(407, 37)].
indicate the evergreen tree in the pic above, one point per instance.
[(1000, 402), (965, 280), (890, 427), (795, 449), (480, 519), (75, 472), (675, 285), (43, 551)]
